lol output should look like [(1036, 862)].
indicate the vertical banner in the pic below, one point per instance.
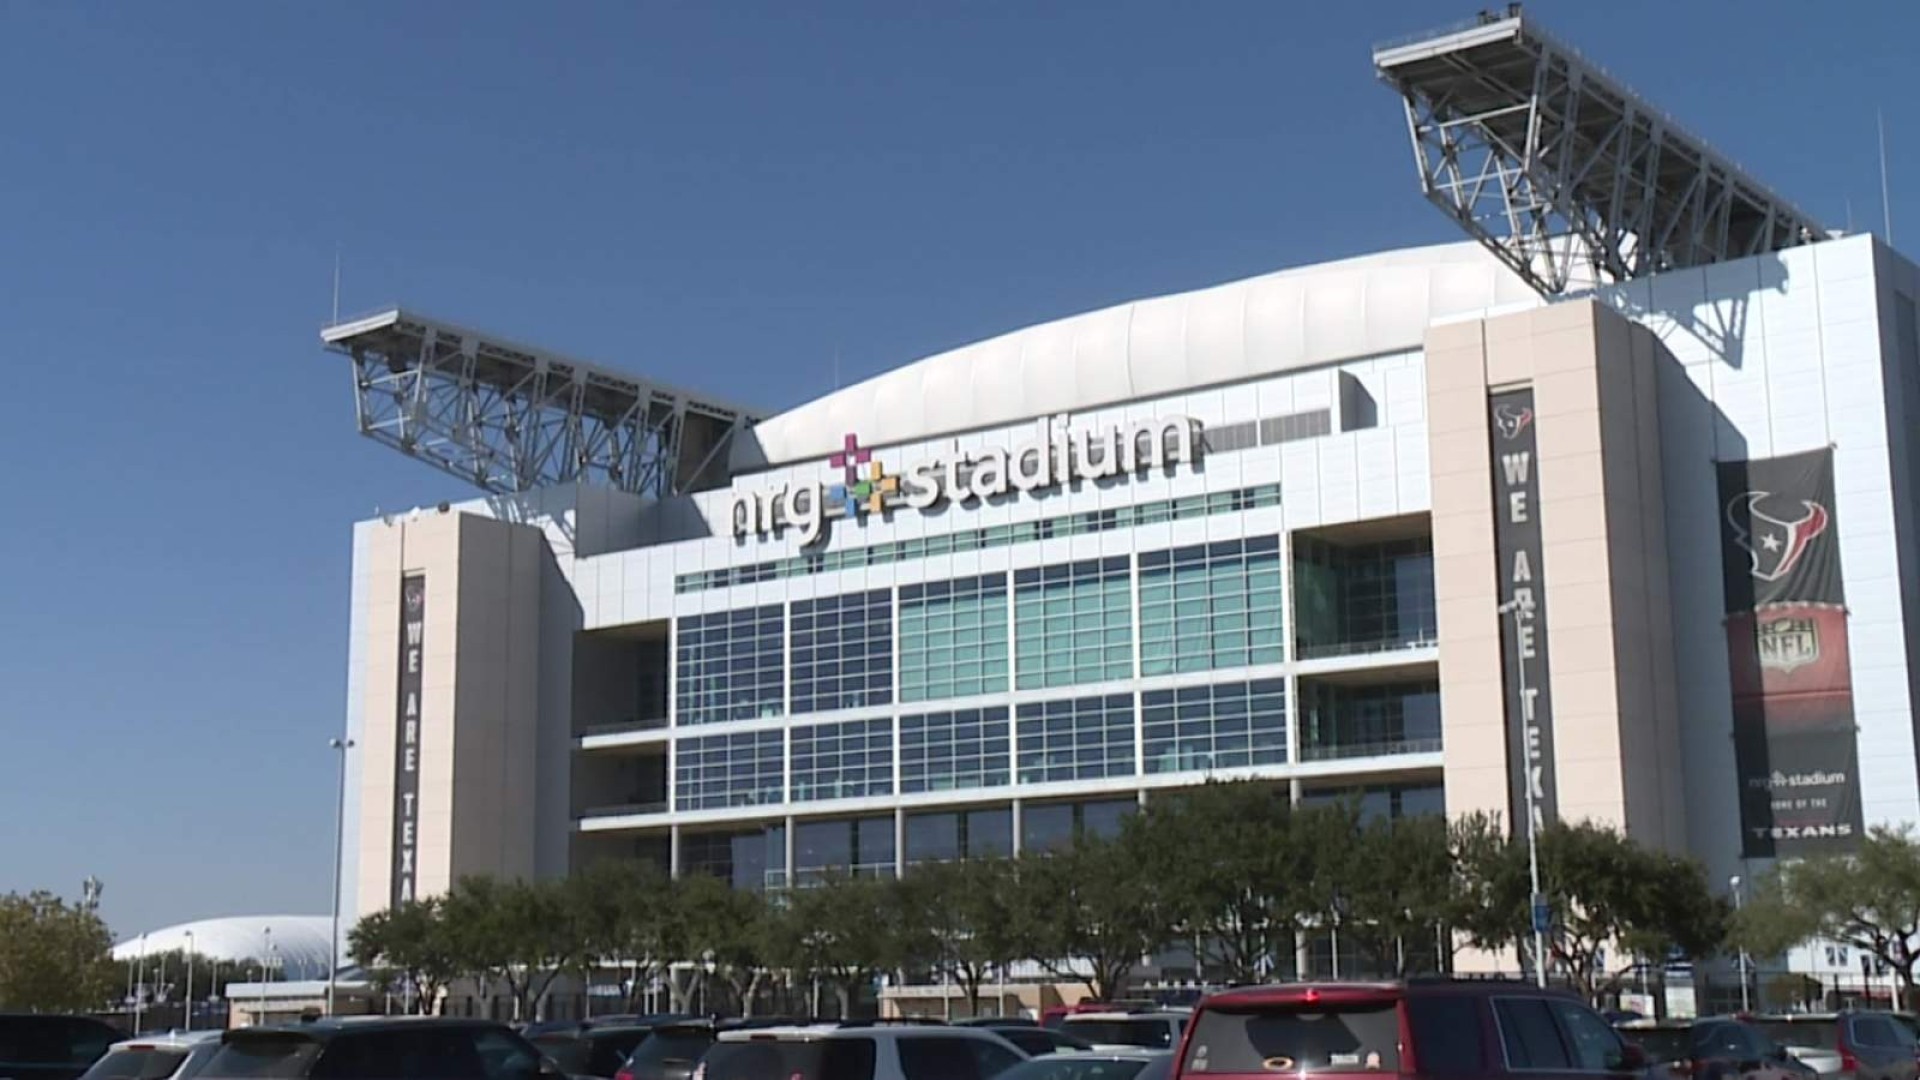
[(1795, 750), (406, 738), (1523, 607)]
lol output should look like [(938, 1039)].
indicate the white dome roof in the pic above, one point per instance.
[(298, 941), (1276, 322)]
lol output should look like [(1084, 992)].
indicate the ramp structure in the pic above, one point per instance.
[(1565, 174), (508, 418)]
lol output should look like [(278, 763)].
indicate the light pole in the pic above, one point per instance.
[(188, 1024), (266, 971), (1746, 1003), (340, 747), (1538, 902), (140, 990)]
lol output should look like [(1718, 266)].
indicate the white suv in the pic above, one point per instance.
[(1157, 1029), (859, 1052)]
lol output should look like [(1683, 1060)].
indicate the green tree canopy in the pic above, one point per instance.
[(1869, 900), (54, 956), (1088, 914), (410, 949), (958, 919)]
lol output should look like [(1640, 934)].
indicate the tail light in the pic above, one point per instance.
[(1849, 1065), (625, 1073)]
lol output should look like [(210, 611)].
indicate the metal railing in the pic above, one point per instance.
[(623, 727), (655, 806), (1424, 640), (1386, 748)]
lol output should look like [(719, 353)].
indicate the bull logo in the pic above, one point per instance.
[(1774, 545), (1511, 420)]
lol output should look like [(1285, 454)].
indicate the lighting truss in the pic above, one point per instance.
[(507, 418), (1564, 174)]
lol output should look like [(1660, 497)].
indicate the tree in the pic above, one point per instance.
[(1869, 899), (716, 925), (522, 933), (1402, 889), (1087, 915), (845, 930), (410, 948), (958, 918), (1607, 892), (54, 957), (1228, 870), (627, 919)]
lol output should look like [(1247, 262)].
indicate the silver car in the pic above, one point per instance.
[(177, 1055)]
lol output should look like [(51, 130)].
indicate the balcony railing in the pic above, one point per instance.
[(624, 727), (1383, 748), (652, 806), (1424, 640)]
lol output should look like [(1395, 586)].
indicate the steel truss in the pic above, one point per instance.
[(507, 418), (1565, 175)]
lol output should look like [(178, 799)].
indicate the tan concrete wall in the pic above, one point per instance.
[(1609, 627), (479, 716)]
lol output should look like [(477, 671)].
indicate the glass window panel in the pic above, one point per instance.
[(1080, 739), (718, 771), (847, 760), (729, 666)]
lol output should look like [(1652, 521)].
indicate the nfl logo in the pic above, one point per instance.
[(1788, 643)]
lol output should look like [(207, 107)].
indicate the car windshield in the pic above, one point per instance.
[(1075, 1067), (1812, 1034), (137, 1063), (1152, 1033), (266, 1056), (669, 1046), (1363, 1039), (1661, 1044), (790, 1059)]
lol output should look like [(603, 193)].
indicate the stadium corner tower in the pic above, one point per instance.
[(1605, 512)]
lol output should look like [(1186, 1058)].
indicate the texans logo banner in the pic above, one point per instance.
[(1795, 751)]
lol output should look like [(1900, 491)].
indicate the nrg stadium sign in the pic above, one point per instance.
[(1055, 456)]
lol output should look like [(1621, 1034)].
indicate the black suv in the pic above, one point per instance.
[(36, 1047), (380, 1048)]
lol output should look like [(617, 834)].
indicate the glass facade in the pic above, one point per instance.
[(1074, 623), (1224, 726), (848, 760), (1362, 597), (1076, 739), (953, 638), (943, 836), (1368, 721), (843, 652), (1211, 606), (1407, 800), (1052, 826), (842, 845), (946, 751), (746, 859), (711, 772), (730, 665)]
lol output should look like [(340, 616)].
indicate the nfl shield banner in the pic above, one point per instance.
[(1793, 728)]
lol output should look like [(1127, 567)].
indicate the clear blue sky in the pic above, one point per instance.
[(721, 195)]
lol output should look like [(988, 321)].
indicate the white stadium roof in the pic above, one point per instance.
[(298, 941), (1276, 322)]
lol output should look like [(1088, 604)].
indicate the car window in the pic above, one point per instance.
[(1152, 1033), (1663, 1045), (1594, 1046), (265, 1056), (87, 1040), (1079, 1067), (1447, 1035), (791, 1059), (1814, 1034), (991, 1057), (1292, 1040), (434, 1053), (573, 1055), (1528, 1034), (46, 1040), (147, 1063), (610, 1050), (669, 1045), (505, 1056), (1880, 1032), (936, 1058)]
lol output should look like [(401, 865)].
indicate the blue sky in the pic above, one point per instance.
[(720, 195)]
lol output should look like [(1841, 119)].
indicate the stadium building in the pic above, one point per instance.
[(1606, 511)]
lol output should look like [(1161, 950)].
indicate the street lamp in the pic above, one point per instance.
[(189, 993), (1746, 1003), (266, 970), (140, 990), (340, 747), (1538, 902)]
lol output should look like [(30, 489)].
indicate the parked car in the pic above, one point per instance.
[(51, 1047), (1716, 1048), (1148, 1029), (1420, 1027), (859, 1052), (176, 1055), (597, 1048), (379, 1048), (1038, 1041), (1100, 1065), (671, 1051), (1858, 1044)]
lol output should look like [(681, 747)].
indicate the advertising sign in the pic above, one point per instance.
[(1523, 606), (406, 738), (1795, 750)]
